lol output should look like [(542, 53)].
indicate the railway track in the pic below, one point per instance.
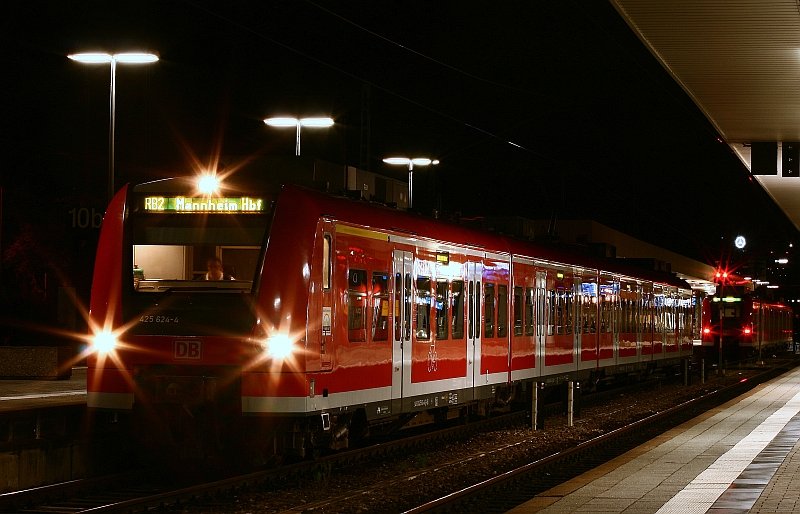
[(130, 493), (133, 492)]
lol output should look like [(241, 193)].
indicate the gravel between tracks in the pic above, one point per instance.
[(401, 482)]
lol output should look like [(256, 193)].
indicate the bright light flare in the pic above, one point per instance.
[(316, 122), (707, 330), (105, 58), (208, 184), (91, 58), (282, 121), (104, 342), (136, 57), (278, 346), (288, 121), (405, 161)]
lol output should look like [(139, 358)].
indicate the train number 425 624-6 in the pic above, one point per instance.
[(149, 318)]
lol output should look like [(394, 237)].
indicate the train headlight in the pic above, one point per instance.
[(104, 342), (278, 346)]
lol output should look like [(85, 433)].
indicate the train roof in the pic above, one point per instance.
[(378, 216)]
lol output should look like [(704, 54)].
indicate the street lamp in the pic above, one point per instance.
[(113, 59), (405, 161), (285, 121)]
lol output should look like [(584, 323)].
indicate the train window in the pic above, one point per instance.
[(458, 308), (589, 313), (529, 306), (326, 262), (407, 299), (398, 301), (561, 307), (423, 328), (488, 310), (356, 305), (518, 310), (380, 306), (477, 308), (605, 313), (568, 310), (502, 310), (471, 309), (442, 300)]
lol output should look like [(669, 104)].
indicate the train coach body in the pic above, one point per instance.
[(341, 312), (750, 325)]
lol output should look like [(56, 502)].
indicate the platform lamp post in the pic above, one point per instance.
[(410, 163), (113, 60), (285, 121)]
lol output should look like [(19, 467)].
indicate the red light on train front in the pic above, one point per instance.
[(747, 331), (707, 330)]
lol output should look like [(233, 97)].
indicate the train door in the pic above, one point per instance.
[(474, 295), (401, 340)]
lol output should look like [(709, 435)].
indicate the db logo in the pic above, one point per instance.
[(187, 349)]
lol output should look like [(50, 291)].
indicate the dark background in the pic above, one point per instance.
[(548, 110)]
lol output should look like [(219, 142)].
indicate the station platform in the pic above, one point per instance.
[(743, 456), (16, 395)]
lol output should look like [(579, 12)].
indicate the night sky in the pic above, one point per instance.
[(539, 109)]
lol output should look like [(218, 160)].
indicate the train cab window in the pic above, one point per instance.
[(502, 310), (488, 309), (458, 309), (518, 310), (442, 301), (380, 306), (423, 302), (170, 248), (356, 305), (529, 306)]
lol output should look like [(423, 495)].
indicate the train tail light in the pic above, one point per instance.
[(747, 331)]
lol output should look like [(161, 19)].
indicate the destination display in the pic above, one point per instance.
[(203, 204)]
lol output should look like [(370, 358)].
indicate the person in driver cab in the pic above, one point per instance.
[(215, 270)]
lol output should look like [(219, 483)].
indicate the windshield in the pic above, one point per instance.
[(217, 252)]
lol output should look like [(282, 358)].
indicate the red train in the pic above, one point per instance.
[(751, 326), (343, 316)]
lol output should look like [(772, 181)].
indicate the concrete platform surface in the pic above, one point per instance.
[(740, 457)]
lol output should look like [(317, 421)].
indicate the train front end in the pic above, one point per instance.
[(170, 343)]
